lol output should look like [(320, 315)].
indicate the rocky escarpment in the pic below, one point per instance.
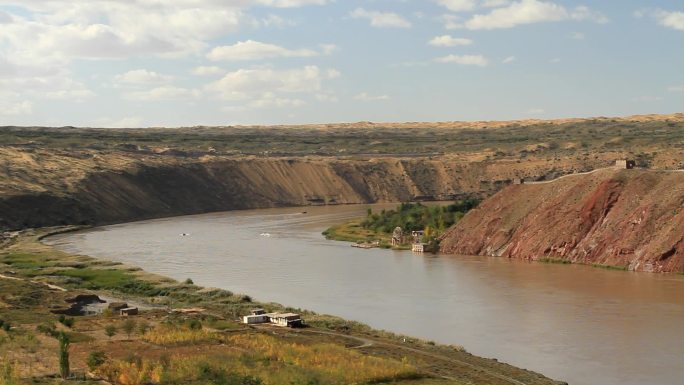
[(627, 218), (47, 188)]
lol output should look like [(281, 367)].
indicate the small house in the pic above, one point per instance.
[(255, 319), (286, 319), (117, 306), (518, 181), (258, 311), (417, 236), (129, 311), (626, 164)]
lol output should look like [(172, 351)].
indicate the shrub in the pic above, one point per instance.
[(68, 322), (194, 324), (47, 329), (110, 330), (128, 327), (189, 282), (95, 360)]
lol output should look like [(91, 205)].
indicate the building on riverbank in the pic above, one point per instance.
[(418, 247), (258, 316)]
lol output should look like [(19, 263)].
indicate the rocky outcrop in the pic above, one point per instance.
[(627, 218)]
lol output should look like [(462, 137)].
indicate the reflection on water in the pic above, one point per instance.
[(579, 324)]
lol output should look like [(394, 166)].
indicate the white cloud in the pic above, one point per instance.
[(291, 3), (536, 111), (451, 21), (458, 5), (449, 41), (365, 97), (270, 100), (381, 19), (673, 20), (555, 60), (509, 60), (582, 13), (57, 86), (276, 21), (142, 77), (207, 71), (254, 50), (246, 84), (528, 12), (495, 3), (162, 93), (128, 122), (471, 60), (8, 108), (329, 49), (6, 18), (678, 88)]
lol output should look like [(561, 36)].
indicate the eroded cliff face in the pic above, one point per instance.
[(42, 187), (627, 218)]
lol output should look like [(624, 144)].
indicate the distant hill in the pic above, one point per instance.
[(631, 219)]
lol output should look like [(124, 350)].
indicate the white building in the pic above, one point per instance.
[(281, 319)]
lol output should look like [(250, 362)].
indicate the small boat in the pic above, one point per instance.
[(267, 235)]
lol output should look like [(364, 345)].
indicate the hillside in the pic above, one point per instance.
[(58, 176), (631, 219)]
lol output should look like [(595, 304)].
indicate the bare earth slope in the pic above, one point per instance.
[(627, 218)]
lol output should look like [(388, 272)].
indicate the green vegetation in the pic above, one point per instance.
[(96, 359), (111, 279), (433, 220), (418, 217), (128, 327), (555, 261), (64, 356), (610, 267), (110, 330)]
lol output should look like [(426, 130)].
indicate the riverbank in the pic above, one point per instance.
[(26, 302), (352, 231)]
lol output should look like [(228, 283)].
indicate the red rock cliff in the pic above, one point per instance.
[(630, 218)]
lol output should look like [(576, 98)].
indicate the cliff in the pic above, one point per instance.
[(627, 218), (46, 187)]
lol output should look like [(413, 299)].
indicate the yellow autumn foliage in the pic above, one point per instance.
[(168, 335)]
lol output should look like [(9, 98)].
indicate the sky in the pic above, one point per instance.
[(141, 63)]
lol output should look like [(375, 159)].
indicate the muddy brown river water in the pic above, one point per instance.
[(579, 324)]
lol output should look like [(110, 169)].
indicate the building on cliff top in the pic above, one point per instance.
[(626, 164)]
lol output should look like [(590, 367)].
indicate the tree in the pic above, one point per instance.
[(110, 331), (128, 327), (64, 355), (95, 360)]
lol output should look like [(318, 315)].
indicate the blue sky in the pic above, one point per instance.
[(220, 62)]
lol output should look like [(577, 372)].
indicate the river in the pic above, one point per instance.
[(579, 324)]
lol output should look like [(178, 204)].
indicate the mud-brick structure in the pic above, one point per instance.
[(626, 164)]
